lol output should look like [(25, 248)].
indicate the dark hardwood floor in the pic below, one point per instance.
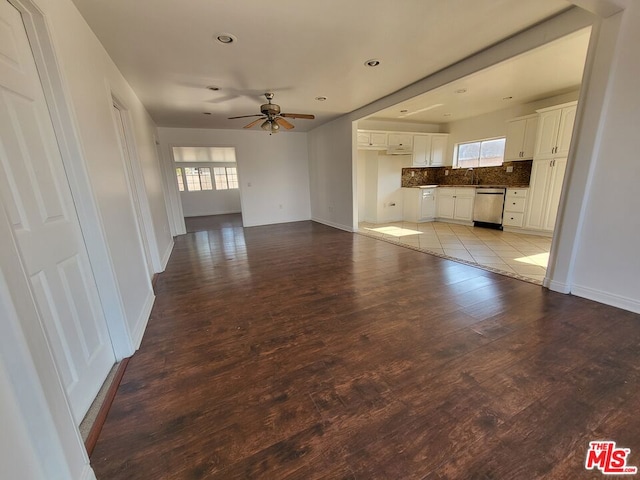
[(298, 351)]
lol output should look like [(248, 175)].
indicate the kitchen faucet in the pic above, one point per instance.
[(470, 169)]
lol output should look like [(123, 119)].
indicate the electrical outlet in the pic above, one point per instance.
[(446, 173), (509, 169), (413, 174)]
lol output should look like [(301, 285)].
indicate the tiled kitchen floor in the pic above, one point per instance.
[(515, 254)]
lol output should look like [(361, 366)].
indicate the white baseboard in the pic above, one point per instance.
[(612, 299), (559, 287), (87, 473), (540, 233), (332, 224), (167, 254), (143, 320), (222, 212)]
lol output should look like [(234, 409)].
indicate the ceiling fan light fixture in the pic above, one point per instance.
[(266, 125)]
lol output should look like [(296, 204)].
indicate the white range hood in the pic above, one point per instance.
[(399, 150)]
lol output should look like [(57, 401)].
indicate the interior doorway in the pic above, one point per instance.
[(207, 180)]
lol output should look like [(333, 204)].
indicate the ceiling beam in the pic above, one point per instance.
[(602, 8)]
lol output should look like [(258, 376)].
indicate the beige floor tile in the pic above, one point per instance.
[(500, 266), (486, 258), (457, 253), (479, 250), (456, 245), (528, 269)]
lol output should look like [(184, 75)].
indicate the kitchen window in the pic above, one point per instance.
[(481, 153), (226, 178)]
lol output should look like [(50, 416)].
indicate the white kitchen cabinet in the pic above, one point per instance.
[(547, 176), (514, 207), (555, 126), (402, 139), (438, 150), (371, 140), (421, 150), (446, 203), (429, 150), (419, 204), (455, 203), (521, 138)]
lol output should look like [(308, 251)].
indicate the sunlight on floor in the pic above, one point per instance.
[(540, 259), (395, 231)]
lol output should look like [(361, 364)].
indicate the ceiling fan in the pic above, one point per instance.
[(272, 117)]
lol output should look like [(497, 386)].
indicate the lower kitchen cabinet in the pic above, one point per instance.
[(419, 204), (547, 176), (455, 203), (514, 207)]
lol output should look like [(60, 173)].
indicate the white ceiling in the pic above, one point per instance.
[(297, 49), (552, 69)]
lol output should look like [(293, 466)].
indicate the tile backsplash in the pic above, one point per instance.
[(460, 176)]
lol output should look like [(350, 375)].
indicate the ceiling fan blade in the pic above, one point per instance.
[(283, 123), (255, 122), (298, 115), (244, 116)]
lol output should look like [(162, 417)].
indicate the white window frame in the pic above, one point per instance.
[(480, 141)]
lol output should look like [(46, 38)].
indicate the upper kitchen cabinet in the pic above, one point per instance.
[(370, 140), (400, 139), (521, 138), (555, 127), (438, 150), (421, 150), (429, 150)]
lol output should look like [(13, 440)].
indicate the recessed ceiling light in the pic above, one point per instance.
[(226, 38), (461, 90), (372, 63), (404, 111), (321, 99), (206, 113), (213, 88), (447, 115), (507, 98)]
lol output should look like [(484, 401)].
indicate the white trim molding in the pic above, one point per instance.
[(607, 298)]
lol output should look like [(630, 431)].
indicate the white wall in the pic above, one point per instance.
[(606, 264), (494, 124), (273, 170), (331, 173), (389, 201)]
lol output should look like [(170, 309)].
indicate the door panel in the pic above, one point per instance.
[(36, 196)]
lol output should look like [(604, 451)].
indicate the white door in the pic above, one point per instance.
[(36, 196)]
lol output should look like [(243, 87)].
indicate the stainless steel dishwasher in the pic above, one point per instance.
[(488, 207)]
